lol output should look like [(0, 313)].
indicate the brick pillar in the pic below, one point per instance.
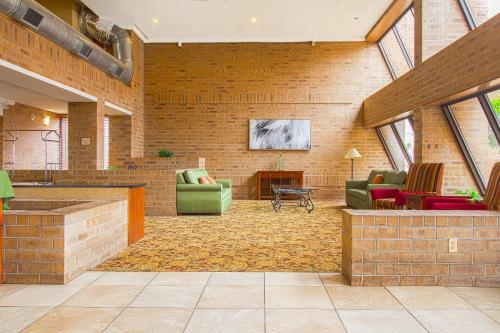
[(417, 130), (120, 142), (85, 121)]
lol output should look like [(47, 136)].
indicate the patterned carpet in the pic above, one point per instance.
[(250, 237)]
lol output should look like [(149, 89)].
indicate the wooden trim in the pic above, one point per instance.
[(388, 19), (135, 214)]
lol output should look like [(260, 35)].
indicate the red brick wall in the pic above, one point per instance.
[(30, 149), (85, 121), (119, 140), (199, 99)]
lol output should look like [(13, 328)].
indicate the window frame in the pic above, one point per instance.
[(402, 46), (465, 149), (467, 12), (406, 154)]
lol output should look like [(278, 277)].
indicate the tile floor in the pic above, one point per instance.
[(242, 302)]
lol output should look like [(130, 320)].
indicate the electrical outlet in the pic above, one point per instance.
[(452, 245)]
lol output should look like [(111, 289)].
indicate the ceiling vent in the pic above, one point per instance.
[(33, 18), (38, 18)]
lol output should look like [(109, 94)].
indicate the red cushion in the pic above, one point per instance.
[(204, 180), (430, 201), (458, 206), (384, 193)]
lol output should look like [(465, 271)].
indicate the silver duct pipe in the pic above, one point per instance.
[(39, 19), (104, 31)]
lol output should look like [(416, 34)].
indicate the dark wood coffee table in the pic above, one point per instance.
[(416, 200)]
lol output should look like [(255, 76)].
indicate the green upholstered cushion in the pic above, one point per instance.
[(360, 194), (192, 175), (395, 177), (180, 178)]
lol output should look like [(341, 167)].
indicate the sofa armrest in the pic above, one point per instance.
[(384, 193), (356, 184), (199, 187), (370, 187), (226, 183)]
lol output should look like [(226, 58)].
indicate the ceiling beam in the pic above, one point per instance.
[(387, 20)]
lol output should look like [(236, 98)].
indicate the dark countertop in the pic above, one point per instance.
[(104, 185)]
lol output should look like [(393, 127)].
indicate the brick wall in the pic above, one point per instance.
[(200, 98), (53, 246), (85, 121), (119, 140), (436, 144), (411, 248), (29, 50), (30, 149)]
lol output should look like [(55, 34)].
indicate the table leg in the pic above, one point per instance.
[(276, 201), (309, 203)]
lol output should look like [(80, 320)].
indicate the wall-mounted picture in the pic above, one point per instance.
[(280, 134)]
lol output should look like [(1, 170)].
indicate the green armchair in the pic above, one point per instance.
[(358, 192), (196, 198)]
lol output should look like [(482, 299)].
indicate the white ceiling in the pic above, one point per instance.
[(23, 86), (231, 20)]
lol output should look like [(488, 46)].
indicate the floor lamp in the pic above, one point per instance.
[(352, 154)]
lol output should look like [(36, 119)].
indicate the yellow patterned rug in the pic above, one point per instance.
[(250, 237)]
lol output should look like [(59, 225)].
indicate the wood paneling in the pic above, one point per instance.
[(135, 214), (386, 21)]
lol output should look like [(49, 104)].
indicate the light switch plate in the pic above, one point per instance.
[(85, 141), (452, 245)]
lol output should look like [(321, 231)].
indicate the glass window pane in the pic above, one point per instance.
[(406, 133), (394, 53), (483, 10), (478, 134), (394, 148), (406, 28), (495, 102)]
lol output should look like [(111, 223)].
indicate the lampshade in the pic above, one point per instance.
[(352, 153)]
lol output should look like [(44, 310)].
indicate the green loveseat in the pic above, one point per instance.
[(358, 192), (196, 198)]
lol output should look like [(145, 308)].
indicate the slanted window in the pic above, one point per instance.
[(476, 12), (398, 141), (397, 45), (475, 123)]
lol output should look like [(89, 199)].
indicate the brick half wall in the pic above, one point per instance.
[(411, 248)]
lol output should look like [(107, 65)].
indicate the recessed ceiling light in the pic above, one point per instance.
[(155, 20), (356, 18), (253, 20)]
